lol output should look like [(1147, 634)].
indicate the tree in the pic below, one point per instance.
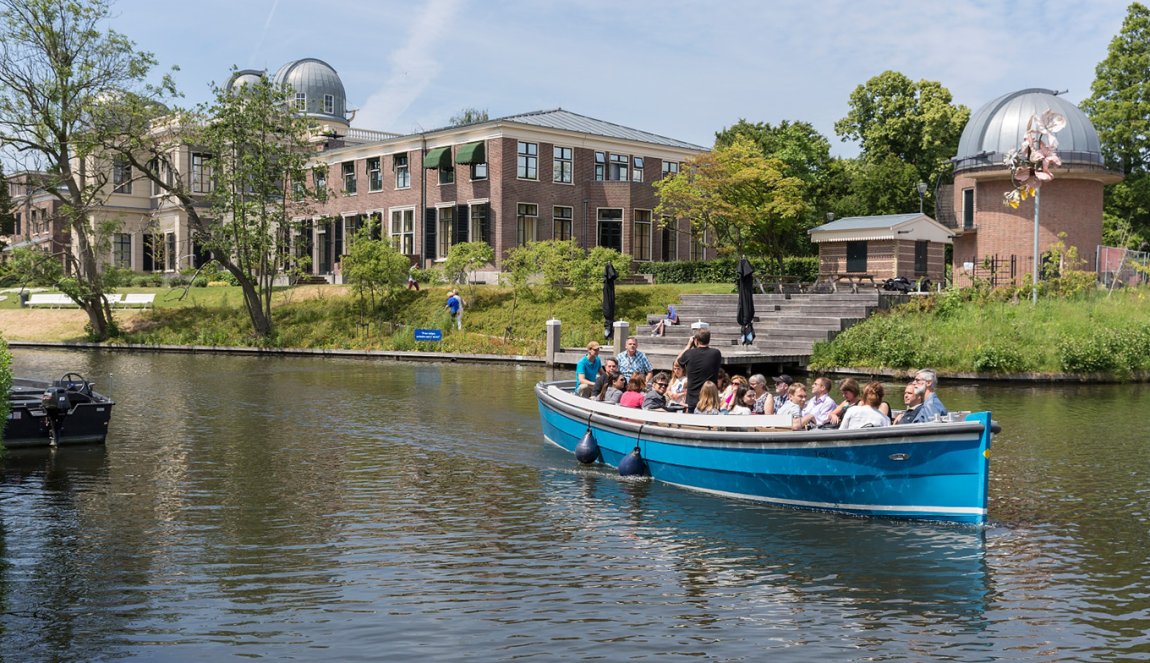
[(375, 269), (807, 155), (258, 149), (57, 68), (468, 116), (879, 185), (742, 201), (466, 257), (1119, 108), (915, 122)]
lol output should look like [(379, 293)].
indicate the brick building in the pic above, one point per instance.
[(883, 247), (36, 211), (995, 242)]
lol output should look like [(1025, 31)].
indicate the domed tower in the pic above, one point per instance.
[(245, 76), (995, 242), (317, 92)]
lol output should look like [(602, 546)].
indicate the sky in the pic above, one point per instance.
[(678, 68)]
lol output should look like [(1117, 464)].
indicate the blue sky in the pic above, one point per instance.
[(678, 68)]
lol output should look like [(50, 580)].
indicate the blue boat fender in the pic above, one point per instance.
[(633, 465), (587, 451)]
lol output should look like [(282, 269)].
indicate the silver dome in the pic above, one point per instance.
[(998, 127), (317, 81), (245, 76)]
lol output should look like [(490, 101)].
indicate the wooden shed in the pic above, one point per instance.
[(882, 247)]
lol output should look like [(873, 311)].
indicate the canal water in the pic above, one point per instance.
[(350, 510)]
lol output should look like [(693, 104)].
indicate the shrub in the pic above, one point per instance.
[(724, 270), (992, 358)]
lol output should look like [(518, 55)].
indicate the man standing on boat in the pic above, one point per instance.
[(925, 383), (633, 361), (700, 363)]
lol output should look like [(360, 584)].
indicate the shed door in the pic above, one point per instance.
[(856, 257)]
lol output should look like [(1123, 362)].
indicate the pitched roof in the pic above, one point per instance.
[(568, 121), (883, 227)]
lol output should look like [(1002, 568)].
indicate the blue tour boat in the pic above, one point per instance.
[(931, 471)]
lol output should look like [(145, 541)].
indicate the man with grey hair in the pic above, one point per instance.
[(925, 384)]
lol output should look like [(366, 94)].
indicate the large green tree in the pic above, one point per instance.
[(58, 66), (740, 200), (917, 123), (1119, 108)]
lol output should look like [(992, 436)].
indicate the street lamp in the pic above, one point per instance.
[(921, 196)]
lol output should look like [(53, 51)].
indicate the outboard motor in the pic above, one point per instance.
[(55, 400)]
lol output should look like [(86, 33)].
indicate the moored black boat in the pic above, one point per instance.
[(61, 412)]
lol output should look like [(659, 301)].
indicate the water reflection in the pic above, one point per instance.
[(337, 509)]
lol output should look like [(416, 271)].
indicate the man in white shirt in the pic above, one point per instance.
[(821, 405)]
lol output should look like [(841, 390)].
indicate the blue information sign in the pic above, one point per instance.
[(429, 334)]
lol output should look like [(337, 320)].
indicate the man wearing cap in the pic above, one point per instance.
[(587, 370), (700, 363), (782, 386)]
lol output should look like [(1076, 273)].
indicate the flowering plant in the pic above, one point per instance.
[(1030, 164)]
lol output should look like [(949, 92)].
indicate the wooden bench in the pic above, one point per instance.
[(855, 280), (781, 283)]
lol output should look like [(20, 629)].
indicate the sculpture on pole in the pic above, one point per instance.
[(1030, 166)]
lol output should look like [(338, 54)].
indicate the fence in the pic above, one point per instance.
[(1118, 268)]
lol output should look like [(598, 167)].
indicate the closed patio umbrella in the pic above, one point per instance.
[(746, 286), (609, 276)]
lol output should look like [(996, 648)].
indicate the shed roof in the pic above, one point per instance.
[(910, 227)]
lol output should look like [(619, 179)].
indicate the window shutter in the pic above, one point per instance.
[(461, 220), (429, 246), (485, 224)]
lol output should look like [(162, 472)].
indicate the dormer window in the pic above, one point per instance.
[(301, 101), (329, 104)]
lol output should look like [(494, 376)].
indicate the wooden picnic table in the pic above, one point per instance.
[(854, 279), (780, 282)]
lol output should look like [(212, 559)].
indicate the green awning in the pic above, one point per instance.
[(471, 153), (438, 157)]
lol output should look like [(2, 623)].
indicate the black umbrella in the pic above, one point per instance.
[(609, 276), (746, 300)]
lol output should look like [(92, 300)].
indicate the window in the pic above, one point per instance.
[(300, 101), (122, 250), (170, 251), (967, 208), (856, 256), (402, 171), (480, 230), (600, 166), (446, 175), (670, 239), (329, 104), (637, 169), (201, 172), (611, 228), (348, 177), (160, 167), (641, 241), (479, 171), (402, 231), (319, 178), (525, 223), (561, 168), (617, 171), (698, 244), (121, 175), (446, 229), (561, 219), (374, 175), (921, 254), (528, 162), (670, 168)]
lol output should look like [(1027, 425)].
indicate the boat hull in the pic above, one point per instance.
[(922, 471), (30, 424)]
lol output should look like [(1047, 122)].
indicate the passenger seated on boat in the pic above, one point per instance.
[(866, 413), (743, 402), (926, 381), (587, 369), (633, 397), (708, 399), (796, 407), (912, 399), (764, 400), (849, 388), (610, 365), (729, 398), (613, 391), (821, 404), (782, 390), (656, 396), (677, 389)]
